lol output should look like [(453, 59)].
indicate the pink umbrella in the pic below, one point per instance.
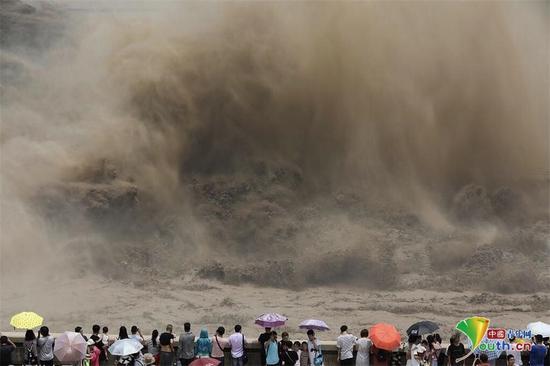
[(207, 361), (314, 324), (70, 347), (271, 320)]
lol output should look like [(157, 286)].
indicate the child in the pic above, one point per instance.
[(296, 348), (304, 355), (289, 357), (105, 340)]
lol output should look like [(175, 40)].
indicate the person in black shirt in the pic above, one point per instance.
[(264, 337), (455, 350), (288, 355), (166, 341), (6, 349)]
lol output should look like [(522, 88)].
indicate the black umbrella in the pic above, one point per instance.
[(423, 327)]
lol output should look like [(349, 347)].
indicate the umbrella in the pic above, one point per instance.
[(26, 320), (539, 328), (271, 320), (70, 347), (314, 324), (207, 361), (125, 347), (385, 336), (423, 327)]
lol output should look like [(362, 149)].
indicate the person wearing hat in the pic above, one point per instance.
[(149, 359)]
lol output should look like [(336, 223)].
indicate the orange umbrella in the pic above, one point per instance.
[(385, 336)]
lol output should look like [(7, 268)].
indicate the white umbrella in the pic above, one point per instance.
[(70, 347), (314, 324), (125, 347), (539, 328)]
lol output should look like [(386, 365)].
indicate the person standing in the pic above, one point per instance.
[(314, 349), (455, 351), (237, 343), (272, 350), (98, 341), (153, 345), (136, 334), (94, 352), (29, 344), (44, 344), (546, 342), (538, 352), (203, 346), (484, 359), (511, 360), (345, 343), (288, 357), (6, 350), (304, 355), (81, 331), (296, 347), (186, 349), (166, 341), (418, 355), (381, 356), (434, 350), (264, 337), (363, 346), (105, 339), (218, 345), (513, 351), (123, 333)]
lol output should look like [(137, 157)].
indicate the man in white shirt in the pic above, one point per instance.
[(313, 347), (344, 344), (237, 343), (136, 334)]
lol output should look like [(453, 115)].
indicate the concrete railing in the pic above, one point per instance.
[(253, 351)]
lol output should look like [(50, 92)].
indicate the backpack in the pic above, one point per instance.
[(30, 358), (318, 359)]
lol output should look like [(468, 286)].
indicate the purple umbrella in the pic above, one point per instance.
[(271, 320), (314, 324), (70, 347)]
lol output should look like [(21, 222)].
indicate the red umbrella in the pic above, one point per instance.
[(385, 336), (205, 362)]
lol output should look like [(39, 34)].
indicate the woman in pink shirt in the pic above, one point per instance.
[(93, 353)]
